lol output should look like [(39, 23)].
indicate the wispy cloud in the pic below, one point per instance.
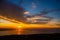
[(54, 22), (33, 5)]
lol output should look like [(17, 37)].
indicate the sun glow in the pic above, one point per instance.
[(19, 26)]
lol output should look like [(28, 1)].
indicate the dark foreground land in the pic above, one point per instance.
[(55, 36)]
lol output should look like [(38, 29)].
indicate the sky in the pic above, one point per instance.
[(35, 6)]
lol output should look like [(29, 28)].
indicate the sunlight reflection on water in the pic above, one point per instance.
[(29, 31)]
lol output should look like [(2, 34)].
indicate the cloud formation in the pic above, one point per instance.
[(33, 5)]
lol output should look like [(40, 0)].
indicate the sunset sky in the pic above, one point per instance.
[(35, 6)]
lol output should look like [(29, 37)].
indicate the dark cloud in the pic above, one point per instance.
[(11, 11)]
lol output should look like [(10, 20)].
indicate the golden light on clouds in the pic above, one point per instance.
[(50, 24), (26, 12)]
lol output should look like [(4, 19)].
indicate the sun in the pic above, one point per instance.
[(19, 26)]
